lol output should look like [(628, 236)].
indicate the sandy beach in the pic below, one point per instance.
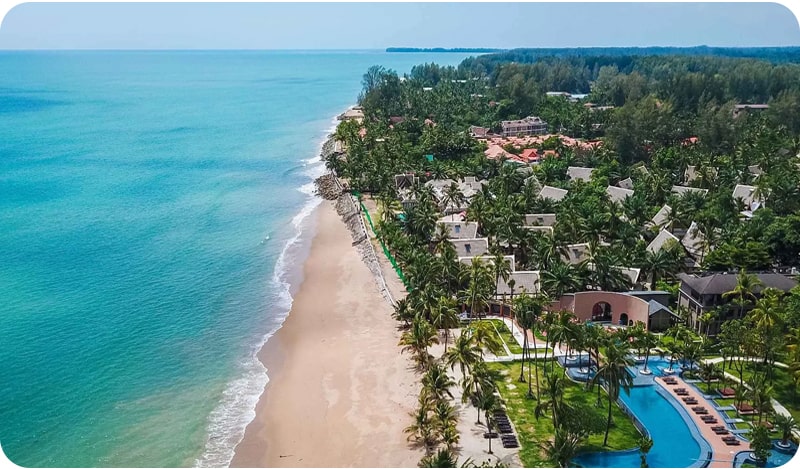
[(339, 390)]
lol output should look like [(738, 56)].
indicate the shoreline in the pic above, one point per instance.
[(337, 382)]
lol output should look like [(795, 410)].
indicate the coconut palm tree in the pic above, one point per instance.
[(453, 198), (647, 341), (442, 458), (552, 399), (421, 430), (562, 448), (501, 268), (785, 424), (709, 371), (403, 312), (417, 339), (488, 402), (614, 374), (463, 353), (743, 291), (645, 445), (445, 316), (436, 383), (484, 336), (560, 279)]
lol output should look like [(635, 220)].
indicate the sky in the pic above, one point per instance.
[(381, 25)]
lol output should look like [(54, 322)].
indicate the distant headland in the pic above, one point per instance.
[(443, 49)]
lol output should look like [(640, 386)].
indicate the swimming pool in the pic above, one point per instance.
[(676, 442)]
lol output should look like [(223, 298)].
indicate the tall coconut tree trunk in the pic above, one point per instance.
[(608, 422)]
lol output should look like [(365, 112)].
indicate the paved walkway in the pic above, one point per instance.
[(722, 454)]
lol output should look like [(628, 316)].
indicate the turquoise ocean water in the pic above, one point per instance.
[(152, 214)]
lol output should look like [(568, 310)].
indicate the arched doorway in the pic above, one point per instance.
[(623, 319), (601, 312)]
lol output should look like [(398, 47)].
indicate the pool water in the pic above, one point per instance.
[(673, 442)]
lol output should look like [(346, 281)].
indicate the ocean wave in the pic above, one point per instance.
[(228, 421)]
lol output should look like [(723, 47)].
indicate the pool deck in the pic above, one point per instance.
[(723, 455)]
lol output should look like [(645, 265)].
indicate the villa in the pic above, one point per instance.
[(703, 292), (577, 253), (540, 219), (618, 194), (471, 247), (584, 174), (626, 183), (680, 190), (553, 193), (479, 132), (747, 195), (661, 218), (695, 243), (458, 229), (740, 109), (662, 240)]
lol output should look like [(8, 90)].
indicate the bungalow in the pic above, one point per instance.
[(458, 229), (524, 281), (471, 247), (534, 181), (486, 260), (755, 170), (704, 292), (746, 195), (405, 181), (680, 190), (693, 173), (495, 152), (695, 242), (540, 219), (354, 113), (626, 183), (577, 253), (577, 172), (530, 155), (531, 125), (553, 193), (661, 218), (618, 194), (662, 240)]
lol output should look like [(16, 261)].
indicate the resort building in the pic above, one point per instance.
[(496, 152), (577, 253), (405, 181), (747, 195), (680, 190), (576, 172), (661, 218), (618, 194), (354, 113), (458, 229), (662, 240), (694, 241), (740, 109), (523, 281), (531, 125), (540, 219), (553, 193), (755, 170), (626, 183), (693, 173), (620, 309), (471, 247), (704, 292), (479, 132)]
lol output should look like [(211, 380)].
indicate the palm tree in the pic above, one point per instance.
[(436, 383), (767, 316), (487, 402), (403, 312), (645, 444), (785, 424), (453, 197), (479, 288), (422, 428), (560, 279), (484, 336), (417, 339), (501, 268), (443, 458), (552, 400), (708, 371), (562, 448), (445, 316), (614, 374), (743, 291), (463, 353), (647, 341)]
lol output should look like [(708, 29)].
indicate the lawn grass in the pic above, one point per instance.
[(782, 386), (532, 433), (506, 336)]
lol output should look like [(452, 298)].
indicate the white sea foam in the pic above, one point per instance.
[(228, 421)]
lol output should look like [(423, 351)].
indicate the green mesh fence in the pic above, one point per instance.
[(383, 246)]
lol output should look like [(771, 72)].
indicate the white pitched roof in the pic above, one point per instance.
[(661, 218), (470, 247), (658, 243), (577, 253), (467, 260), (626, 183), (553, 193), (618, 194), (577, 172), (746, 194), (693, 240), (540, 219), (524, 280), (460, 229), (680, 190)]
